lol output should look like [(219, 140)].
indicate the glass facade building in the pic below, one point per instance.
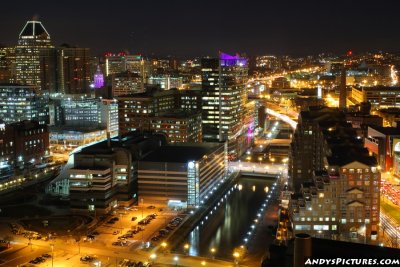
[(23, 102)]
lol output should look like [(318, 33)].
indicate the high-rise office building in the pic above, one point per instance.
[(121, 62), (73, 70), (7, 64), (125, 83), (35, 54), (224, 99)]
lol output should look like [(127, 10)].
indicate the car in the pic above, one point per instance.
[(110, 222), (95, 233), (151, 207), (46, 255), (115, 219), (115, 232), (155, 238), (134, 218), (169, 228), (163, 231), (87, 258)]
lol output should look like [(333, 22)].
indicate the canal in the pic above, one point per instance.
[(232, 222)]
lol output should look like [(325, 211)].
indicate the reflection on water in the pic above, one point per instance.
[(230, 220)]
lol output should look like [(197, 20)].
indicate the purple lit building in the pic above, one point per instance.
[(98, 79)]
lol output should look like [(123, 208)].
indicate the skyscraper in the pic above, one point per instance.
[(34, 53), (224, 97), (73, 70)]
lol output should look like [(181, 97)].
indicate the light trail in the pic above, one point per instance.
[(282, 117)]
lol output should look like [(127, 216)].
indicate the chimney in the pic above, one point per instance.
[(343, 90), (302, 249)]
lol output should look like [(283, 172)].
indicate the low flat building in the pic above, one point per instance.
[(182, 174), (104, 175), (378, 96), (66, 138)]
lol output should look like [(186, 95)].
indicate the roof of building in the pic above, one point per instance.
[(181, 153), (386, 130), (75, 129), (379, 88), (34, 28), (135, 138)]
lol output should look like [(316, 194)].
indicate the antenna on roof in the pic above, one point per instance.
[(35, 17)]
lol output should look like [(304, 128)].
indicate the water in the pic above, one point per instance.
[(229, 224)]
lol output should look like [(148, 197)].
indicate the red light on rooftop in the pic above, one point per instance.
[(349, 53)]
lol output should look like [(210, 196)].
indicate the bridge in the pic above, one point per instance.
[(256, 169)]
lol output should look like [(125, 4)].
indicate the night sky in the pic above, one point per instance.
[(198, 28)]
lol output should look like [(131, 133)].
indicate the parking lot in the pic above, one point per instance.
[(136, 227)]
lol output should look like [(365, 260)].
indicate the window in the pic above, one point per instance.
[(334, 227)]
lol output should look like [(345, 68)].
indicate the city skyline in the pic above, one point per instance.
[(179, 29)]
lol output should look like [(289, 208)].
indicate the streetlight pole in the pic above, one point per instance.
[(141, 202), (52, 255)]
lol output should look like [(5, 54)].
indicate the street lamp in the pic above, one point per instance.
[(203, 263), (176, 259), (212, 250), (260, 159), (186, 248), (164, 246), (236, 256), (153, 257)]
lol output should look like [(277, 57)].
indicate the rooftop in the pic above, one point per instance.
[(386, 130), (34, 28), (181, 153)]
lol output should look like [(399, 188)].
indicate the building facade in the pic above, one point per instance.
[(378, 96), (86, 112), (335, 179), (224, 98), (34, 53), (179, 126), (183, 175), (73, 70), (104, 175), (23, 102), (23, 143)]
